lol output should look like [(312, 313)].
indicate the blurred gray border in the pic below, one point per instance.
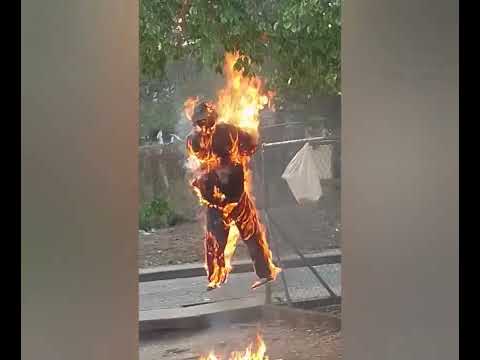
[(400, 180)]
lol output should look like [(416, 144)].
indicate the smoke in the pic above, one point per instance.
[(192, 164), (204, 83), (183, 126)]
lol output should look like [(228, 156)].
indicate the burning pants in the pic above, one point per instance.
[(245, 217)]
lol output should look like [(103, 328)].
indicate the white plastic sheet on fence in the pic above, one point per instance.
[(322, 156), (302, 176)]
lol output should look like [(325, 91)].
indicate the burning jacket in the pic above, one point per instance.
[(222, 152)]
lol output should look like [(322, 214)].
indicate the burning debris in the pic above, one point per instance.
[(224, 137), (255, 351)]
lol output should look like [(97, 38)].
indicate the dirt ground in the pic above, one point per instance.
[(284, 342), (183, 243)]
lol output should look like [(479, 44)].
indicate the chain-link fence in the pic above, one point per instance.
[(305, 238)]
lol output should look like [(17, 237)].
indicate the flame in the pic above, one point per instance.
[(220, 274), (189, 106), (233, 236), (238, 103), (255, 351)]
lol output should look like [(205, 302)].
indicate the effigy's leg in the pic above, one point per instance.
[(257, 249), (253, 234), (215, 243)]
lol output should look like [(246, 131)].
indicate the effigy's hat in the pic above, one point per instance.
[(204, 114)]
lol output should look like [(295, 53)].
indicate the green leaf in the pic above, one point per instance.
[(297, 33)]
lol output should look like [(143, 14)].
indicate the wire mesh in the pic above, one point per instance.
[(298, 230)]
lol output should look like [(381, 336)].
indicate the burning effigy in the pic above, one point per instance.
[(224, 137)]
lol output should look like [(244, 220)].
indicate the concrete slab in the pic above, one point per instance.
[(170, 272), (227, 312), (186, 292), (201, 315), (185, 303)]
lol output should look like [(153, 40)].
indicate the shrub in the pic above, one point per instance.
[(157, 213)]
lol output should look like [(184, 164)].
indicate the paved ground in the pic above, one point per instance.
[(315, 340), (302, 285)]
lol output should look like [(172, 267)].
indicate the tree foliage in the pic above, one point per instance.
[(295, 44)]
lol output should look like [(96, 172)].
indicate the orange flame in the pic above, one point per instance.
[(255, 351), (189, 106), (233, 237), (239, 103), (220, 274)]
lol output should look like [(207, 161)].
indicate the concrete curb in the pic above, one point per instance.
[(241, 310), (197, 269), (201, 316)]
